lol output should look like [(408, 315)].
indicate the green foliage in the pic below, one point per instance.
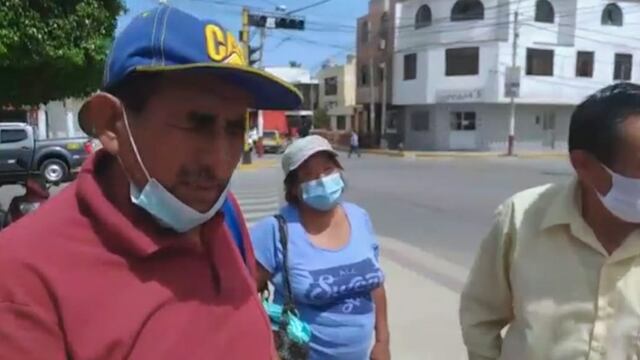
[(321, 120), (53, 49)]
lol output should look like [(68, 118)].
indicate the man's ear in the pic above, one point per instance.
[(99, 116)]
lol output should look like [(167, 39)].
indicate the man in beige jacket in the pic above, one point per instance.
[(560, 267)]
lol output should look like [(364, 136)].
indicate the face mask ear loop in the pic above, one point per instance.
[(133, 143)]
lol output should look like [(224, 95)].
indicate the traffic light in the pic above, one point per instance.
[(276, 21), (290, 23)]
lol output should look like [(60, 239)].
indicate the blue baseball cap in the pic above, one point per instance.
[(168, 39)]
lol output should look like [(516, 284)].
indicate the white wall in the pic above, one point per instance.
[(62, 118), (492, 127), (577, 27)]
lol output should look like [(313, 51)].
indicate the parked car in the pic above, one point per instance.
[(272, 142), (55, 159)]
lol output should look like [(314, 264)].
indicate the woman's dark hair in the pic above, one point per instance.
[(291, 182), (136, 89), (595, 123)]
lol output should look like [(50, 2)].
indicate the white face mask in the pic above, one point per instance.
[(167, 209), (623, 200)]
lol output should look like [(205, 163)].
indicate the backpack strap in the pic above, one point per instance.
[(233, 224)]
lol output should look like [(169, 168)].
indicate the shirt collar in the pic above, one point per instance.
[(566, 207), (122, 226)]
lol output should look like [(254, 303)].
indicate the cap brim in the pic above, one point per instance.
[(310, 154), (269, 92)]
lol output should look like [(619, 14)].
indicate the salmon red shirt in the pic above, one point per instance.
[(89, 277)]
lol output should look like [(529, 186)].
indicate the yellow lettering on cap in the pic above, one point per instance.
[(216, 46), (235, 49)]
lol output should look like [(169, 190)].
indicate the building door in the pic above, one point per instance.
[(463, 130), (549, 129)]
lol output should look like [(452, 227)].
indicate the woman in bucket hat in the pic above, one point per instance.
[(335, 275)]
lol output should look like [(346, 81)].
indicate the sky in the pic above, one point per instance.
[(330, 29)]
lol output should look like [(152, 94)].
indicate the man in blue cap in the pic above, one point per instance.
[(136, 259)]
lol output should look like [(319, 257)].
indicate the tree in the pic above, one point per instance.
[(53, 49), (294, 64), (321, 119)]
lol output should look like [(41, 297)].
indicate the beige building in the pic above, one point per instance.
[(338, 93)]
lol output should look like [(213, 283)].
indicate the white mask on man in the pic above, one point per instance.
[(623, 200)]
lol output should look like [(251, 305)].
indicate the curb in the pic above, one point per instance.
[(457, 154), (257, 165)]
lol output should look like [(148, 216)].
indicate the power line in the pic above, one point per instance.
[(307, 7)]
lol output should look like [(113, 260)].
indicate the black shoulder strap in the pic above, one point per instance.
[(284, 243)]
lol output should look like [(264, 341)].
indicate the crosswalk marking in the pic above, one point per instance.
[(257, 204), (258, 201)]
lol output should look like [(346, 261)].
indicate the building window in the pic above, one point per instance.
[(364, 32), (462, 61), (622, 69), (465, 10), (410, 66), (384, 25), (539, 62), (331, 86), (364, 75), (420, 121), (584, 64), (545, 12), (612, 15), (423, 17), (463, 121), (341, 122)]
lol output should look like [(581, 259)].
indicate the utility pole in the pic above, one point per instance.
[(244, 39), (512, 90), (372, 98), (263, 37), (383, 116)]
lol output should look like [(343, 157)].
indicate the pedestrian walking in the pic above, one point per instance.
[(354, 144), (332, 251), (560, 265), (134, 259)]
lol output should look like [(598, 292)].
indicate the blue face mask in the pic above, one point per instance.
[(323, 194), (167, 209)]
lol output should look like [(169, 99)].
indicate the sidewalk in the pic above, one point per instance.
[(459, 154), (423, 298)]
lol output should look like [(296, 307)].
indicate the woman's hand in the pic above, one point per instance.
[(381, 351)]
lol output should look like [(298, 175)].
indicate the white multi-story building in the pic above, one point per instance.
[(338, 93), (451, 60)]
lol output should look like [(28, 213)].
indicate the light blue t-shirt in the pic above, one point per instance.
[(331, 288)]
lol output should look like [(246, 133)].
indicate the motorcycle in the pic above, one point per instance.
[(36, 193)]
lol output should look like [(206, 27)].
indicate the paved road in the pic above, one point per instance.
[(442, 206)]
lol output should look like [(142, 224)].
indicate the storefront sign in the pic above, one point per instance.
[(458, 96), (512, 82)]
